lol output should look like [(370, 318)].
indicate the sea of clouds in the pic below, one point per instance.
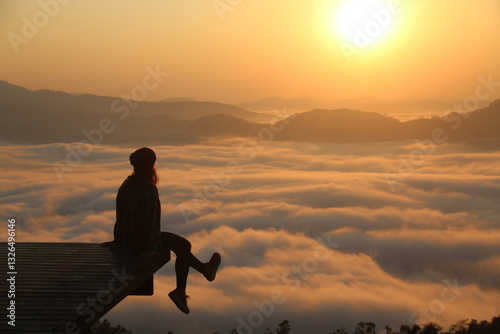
[(323, 235)]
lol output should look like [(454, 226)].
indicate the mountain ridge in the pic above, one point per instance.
[(14, 97), (403, 109), (39, 117)]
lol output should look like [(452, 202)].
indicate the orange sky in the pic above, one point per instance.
[(213, 50)]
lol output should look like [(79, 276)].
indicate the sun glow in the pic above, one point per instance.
[(364, 23)]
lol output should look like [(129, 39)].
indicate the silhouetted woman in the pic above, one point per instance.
[(137, 227)]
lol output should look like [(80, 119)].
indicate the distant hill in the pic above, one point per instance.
[(192, 110), (47, 116), (270, 103), (225, 125), (14, 97), (341, 125), (345, 125), (177, 99), (399, 109)]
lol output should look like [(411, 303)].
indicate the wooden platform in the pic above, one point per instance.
[(66, 287)]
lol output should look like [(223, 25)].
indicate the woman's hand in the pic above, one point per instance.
[(150, 254)]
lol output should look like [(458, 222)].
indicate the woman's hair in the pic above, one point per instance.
[(143, 161)]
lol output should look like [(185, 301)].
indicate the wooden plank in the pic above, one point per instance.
[(145, 289), (66, 287)]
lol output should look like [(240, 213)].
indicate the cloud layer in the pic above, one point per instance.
[(308, 232)]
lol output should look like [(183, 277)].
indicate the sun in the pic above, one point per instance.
[(364, 23)]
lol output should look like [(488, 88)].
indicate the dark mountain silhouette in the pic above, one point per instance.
[(421, 107), (344, 125), (341, 125), (192, 110), (270, 103), (224, 125), (48, 116), (178, 99), (13, 97)]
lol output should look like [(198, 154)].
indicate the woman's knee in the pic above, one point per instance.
[(186, 245), (176, 243)]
